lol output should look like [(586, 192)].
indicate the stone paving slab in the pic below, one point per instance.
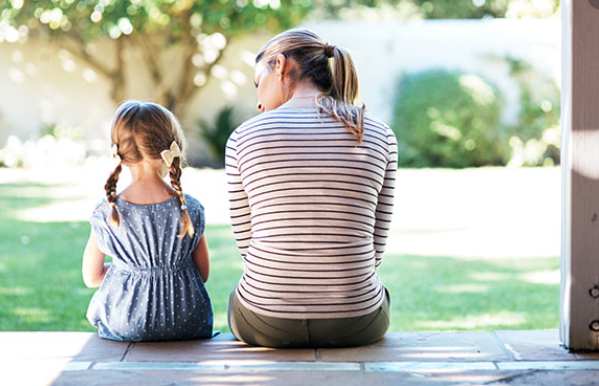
[(267, 378), (35, 372), (402, 366), (79, 346), (587, 356), (551, 378), (534, 345), (221, 349), (65, 358), (424, 346), (247, 365), (298, 378)]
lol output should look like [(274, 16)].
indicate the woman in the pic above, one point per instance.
[(311, 184)]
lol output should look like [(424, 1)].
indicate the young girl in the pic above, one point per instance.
[(154, 287)]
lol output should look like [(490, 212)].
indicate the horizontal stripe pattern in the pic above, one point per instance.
[(311, 210)]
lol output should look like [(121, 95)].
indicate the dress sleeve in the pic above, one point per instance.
[(198, 219), (201, 226), (384, 209), (99, 225), (239, 207)]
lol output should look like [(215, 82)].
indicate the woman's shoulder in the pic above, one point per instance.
[(375, 122), (383, 130), (284, 116), (254, 121)]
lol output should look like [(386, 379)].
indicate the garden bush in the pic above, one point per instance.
[(449, 119), (535, 138), (215, 135)]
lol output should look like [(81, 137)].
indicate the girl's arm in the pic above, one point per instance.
[(93, 268), (201, 258)]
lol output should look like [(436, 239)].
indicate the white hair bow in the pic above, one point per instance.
[(169, 155)]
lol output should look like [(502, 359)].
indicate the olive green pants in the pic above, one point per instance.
[(259, 330)]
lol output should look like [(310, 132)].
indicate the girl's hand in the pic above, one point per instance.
[(201, 258), (93, 269)]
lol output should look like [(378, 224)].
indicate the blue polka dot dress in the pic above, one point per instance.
[(153, 290)]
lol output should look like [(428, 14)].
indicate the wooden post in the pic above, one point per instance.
[(579, 308)]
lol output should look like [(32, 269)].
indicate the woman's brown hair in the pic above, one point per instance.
[(142, 130), (330, 68)]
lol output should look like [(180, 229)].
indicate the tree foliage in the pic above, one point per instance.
[(200, 29), (437, 9)]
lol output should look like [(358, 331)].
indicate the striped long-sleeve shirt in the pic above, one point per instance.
[(311, 209)]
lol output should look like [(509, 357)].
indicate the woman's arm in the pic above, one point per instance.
[(93, 268), (384, 209), (201, 258), (239, 207)]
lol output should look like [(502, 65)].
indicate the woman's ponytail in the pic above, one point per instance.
[(339, 102), (328, 67)]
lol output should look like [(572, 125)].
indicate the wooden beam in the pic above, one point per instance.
[(579, 308)]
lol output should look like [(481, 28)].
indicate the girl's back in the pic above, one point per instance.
[(153, 290), (154, 287)]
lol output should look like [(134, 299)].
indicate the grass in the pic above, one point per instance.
[(41, 286)]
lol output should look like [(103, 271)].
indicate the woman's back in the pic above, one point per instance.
[(312, 202)]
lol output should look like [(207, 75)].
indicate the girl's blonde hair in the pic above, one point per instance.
[(329, 68), (142, 130)]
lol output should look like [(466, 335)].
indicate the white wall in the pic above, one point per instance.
[(37, 87), (40, 84), (384, 50)]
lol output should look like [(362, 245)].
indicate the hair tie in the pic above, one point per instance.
[(169, 155), (115, 155), (183, 207), (329, 51)]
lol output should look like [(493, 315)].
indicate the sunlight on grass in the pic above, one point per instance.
[(15, 291), (32, 315), (464, 288), (542, 277), (41, 286), (488, 276), (477, 322), (220, 321), (72, 210)]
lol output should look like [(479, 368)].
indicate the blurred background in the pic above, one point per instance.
[(470, 87)]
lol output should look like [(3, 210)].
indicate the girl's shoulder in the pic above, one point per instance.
[(101, 207), (193, 204)]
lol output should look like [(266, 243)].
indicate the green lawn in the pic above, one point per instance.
[(41, 286)]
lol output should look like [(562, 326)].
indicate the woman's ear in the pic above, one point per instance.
[(281, 66)]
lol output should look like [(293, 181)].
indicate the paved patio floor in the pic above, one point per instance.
[(454, 358)]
